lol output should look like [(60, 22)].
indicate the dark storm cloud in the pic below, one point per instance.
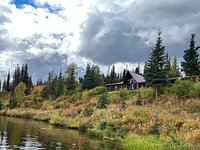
[(128, 35), (107, 39), (49, 57), (41, 64)]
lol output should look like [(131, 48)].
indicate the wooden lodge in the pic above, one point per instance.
[(132, 81), (115, 86), (193, 78)]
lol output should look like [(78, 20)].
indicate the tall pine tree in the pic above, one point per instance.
[(8, 82), (113, 75), (191, 64), (137, 69), (155, 73), (60, 85), (92, 77), (71, 73)]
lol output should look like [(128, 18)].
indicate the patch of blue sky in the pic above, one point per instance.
[(21, 3)]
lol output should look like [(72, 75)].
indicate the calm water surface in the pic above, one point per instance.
[(16, 133)]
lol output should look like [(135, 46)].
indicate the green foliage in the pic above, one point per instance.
[(135, 142), (106, 129), (38, 105), (97, 90), (167, 66), (20, 93), (147, 93), (42, 117), (124, 92), (103, 101), (1, 105), (71, 73), (92, 77), (174, 71), (59, 87), (57, 120), (154, 72), (191, 64), (12, 102), (21, 75), (154, 128), (45, 92), (94, 92), (46, 105), (88, 110), (8, 88), (102, 125), (183, 88), (195, 91)]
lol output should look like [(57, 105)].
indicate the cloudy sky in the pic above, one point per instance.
[(49, 34)]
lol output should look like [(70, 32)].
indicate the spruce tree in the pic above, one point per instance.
[(167, 66), (16, 78), (155, 73), (71, 76), (96, 76), (4, 85), (60, 85), (13, 101), (29, 85), (113, 75), (92, 77), (49, 91), (8, 82), (86, 85), (174, 71), (137, 69), (124, 75), (22, 74), (191, 64)]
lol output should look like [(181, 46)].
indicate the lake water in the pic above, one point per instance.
[(17, 133)]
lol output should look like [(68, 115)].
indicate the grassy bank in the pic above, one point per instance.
[(130, 116)]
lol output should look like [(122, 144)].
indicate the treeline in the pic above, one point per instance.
[(9, 87), (20, 85), (20, 75), (67, 84), (158, 68), (157, 71)]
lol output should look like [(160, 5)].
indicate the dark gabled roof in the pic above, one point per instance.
[(138, 78)]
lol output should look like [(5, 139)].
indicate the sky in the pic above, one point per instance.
[(50, 34)]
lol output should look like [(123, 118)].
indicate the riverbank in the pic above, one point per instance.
[(21, 133), (132, 118)]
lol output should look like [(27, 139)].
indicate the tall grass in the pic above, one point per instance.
[(135, 142)]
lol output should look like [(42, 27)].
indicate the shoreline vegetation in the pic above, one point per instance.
[(130, 116)]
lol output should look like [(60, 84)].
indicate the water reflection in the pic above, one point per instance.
[(16, 133)]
